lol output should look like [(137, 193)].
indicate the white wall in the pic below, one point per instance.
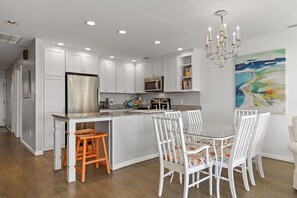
[(2, 74), (28, 104), (218, 91)]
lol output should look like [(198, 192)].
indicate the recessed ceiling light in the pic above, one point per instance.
[(157, 42), (111, 57), (179, 49), (91, 23), (12, 22), (133, 61), (122, 32), (61, 44), (88, 49)]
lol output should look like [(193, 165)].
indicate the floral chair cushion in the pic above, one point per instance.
[(193, 159), (226, 153)]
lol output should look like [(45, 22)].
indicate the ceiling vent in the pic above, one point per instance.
[(8, 38)]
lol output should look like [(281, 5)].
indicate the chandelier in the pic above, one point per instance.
[(219, 54)]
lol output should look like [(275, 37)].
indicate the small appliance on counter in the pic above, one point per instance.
[(107, 104), (160, 103)]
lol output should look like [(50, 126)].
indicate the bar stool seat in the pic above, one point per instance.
[(88, 158), (80, 132)]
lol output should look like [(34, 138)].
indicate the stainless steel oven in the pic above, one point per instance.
[(153, 84)]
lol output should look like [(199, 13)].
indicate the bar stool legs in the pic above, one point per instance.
[(86, 157)]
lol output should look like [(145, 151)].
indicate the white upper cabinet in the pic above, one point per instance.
[(129, 78), (170, 75), (107, 74), (158, 66), (139, 78), (90, 64), (125, 78), (54, 61), (81, 63), (154, 68)]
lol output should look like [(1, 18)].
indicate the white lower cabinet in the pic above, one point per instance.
[(54, 102), (133, 140)]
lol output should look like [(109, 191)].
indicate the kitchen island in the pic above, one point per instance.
[(131, 137)]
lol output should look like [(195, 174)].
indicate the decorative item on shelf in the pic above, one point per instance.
[(134, 101), (187, 72), (219, 55)]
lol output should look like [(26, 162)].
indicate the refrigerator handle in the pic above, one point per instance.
[(98, 95)]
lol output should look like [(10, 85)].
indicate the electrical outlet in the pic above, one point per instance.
[(181, 101), (30, 133)]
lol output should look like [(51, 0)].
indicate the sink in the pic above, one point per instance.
[(148, 111)]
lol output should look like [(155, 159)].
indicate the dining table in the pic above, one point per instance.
[(218, 136)]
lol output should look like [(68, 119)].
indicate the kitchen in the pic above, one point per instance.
[(215, 93)]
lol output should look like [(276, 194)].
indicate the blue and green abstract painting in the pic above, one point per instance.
[(260, 81)]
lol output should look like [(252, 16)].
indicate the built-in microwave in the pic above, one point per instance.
[(153, 84)]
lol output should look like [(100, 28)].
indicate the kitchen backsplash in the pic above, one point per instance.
[(184, 98)]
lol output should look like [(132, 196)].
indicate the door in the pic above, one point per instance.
[(2, 102)]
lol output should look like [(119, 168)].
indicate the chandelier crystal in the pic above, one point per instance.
[(219, 54)]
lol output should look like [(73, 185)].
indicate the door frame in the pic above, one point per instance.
[(4, 100), (17, 102)]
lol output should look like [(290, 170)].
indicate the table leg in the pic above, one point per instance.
[(71, 152), (57, 144)]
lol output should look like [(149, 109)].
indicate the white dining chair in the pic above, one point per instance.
[(236, 155), (238, 113), (254, 151), (194, 117), (175, 155)]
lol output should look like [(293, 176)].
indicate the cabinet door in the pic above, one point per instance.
[(54, 61), (110, 76), (170, 76), (54, 100), (139, 78), (90, 64), (149, 69), (158, 68), (129, 78), (73, 62), (121, 88)]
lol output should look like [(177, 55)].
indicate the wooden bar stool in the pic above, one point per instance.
[(80, 132), (86, 158)]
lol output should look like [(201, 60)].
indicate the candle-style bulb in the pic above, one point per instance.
[(209, 33), (237, 28), (234, 37)]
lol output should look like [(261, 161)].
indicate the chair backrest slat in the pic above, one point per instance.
[(170, 138), (243, 137), (194, 117), (259, 133), (238, 113)]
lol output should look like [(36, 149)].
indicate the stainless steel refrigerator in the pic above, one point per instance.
[(82, 93)]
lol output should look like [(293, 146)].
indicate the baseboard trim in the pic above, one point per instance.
[(9, 129), (134, 161), (276, 157), (35, 153)]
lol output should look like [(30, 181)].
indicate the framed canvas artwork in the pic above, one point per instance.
[(260, 81)]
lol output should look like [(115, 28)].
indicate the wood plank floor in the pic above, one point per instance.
[(23, 175)]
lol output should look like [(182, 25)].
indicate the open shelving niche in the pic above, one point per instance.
[(185, 63)]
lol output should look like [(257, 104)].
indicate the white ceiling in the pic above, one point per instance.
[(176, 23)]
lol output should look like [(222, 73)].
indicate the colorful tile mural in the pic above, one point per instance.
[(260, 81)]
